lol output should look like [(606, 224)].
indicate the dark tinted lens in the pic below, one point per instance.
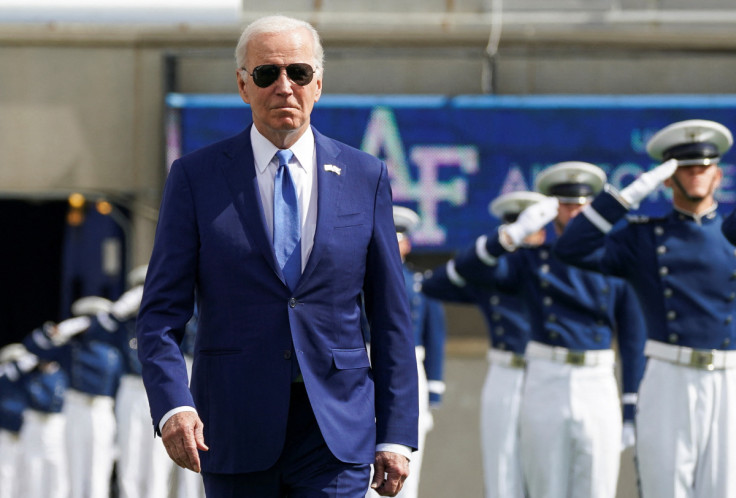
[(300, 73), (265, 75)]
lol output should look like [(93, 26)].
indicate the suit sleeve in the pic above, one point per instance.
[(393, 358), (488, 265), (446, 285), (39, 342), (590, 242), (168, 298)]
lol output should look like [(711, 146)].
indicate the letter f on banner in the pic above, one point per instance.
[(383, 140)]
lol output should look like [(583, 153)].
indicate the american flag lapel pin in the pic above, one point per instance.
[(332, 168)]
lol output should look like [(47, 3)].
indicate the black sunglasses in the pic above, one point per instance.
[(264, 75)]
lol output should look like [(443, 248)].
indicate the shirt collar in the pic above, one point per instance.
[(264, 150)]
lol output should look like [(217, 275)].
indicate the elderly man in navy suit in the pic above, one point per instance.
[(279, 230)]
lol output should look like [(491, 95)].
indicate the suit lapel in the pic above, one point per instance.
[(240, 172), (329, 184)]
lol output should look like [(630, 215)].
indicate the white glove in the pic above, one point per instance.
[(531, 220), (127, 306), (27, 362), (69, 328), (648, 182), (628, 435)]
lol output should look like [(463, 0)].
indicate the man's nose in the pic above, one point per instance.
[(283, 82)]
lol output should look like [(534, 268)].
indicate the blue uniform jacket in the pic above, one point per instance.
[(428, 322), (505, 314), (91, 360), (45, 387), (682, 268), (568, 307), (13, 400), (127, 342)]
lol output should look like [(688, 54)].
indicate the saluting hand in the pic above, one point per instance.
[(531, 220), (391, 470), (183, 435), (648, 182)]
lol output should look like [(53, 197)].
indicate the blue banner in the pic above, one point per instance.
[(449, 157)]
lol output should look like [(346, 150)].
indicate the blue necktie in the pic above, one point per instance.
[(286, 223)]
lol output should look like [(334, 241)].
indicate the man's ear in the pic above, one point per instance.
[(719, 176), (318, 92), (242, 89)]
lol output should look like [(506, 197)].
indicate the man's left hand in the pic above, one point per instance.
[(183, 435), (391, 470)]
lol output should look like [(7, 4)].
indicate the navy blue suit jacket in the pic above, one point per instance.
[(212, 238)]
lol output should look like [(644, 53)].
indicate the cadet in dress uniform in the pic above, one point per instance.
[(144, 467), (12, 405), (570, 420), (94, 366), (428, 323), (44, 463), (508, 331), (684, 269)]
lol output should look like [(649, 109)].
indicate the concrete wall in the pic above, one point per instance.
[(81, 105)]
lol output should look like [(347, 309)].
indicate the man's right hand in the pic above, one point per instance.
[(183, 436), (648, 182), (531, 220), (63, 331)]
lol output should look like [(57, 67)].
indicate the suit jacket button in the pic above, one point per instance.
[(292, 302), (287, 354)]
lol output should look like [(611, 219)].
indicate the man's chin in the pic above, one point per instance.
[(283, 120), (287, 126)]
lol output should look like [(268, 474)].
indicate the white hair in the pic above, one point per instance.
[(277, 24)]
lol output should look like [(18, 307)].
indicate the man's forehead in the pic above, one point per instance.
[(701, 166), (282, 43)]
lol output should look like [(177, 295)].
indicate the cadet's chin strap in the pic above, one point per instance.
[(691, 198)]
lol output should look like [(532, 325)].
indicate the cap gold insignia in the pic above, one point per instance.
[(332, 168), (693, 135)]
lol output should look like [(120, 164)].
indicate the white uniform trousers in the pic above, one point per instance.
[(686, 432), (426, 422), (189, 484), (144, 468), (570, 426), (10, 452), (499, 426), (90, 442), (45, 471)]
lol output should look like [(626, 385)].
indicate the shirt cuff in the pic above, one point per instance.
[(173, 412), (395, 448)]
